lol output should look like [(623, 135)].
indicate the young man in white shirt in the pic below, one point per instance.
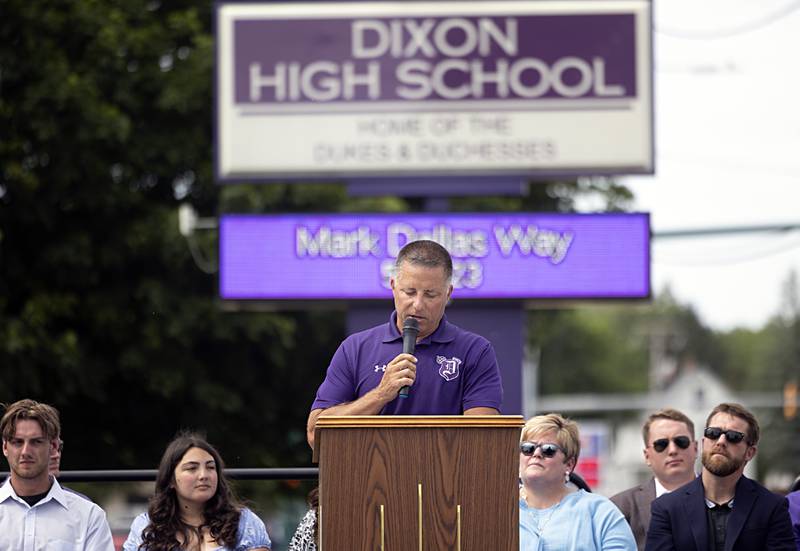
[(36, 514)]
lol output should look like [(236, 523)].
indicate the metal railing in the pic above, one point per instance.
[(292, 473), (137, 475)]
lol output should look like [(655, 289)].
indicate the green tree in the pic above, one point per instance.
[(779, 448), (106, 110), (589, 350)]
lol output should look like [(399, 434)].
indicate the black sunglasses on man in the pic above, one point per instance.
[(663, 443), (732, 436)]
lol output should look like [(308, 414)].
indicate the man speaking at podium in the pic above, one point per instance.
[(451, 371)]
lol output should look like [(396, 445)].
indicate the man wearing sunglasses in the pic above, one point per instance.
[(722, 509), (670, 451)]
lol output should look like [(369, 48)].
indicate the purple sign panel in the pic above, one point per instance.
[(435, 58), (496, 255)]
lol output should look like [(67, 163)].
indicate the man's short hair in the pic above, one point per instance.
[(666, 413), (738, 410), (426, 253), (46, 415)]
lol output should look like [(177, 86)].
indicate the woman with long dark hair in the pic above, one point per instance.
[(194, 508)]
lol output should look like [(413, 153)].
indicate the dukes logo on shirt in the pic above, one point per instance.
[(448, 367)]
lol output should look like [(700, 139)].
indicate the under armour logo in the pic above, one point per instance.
[(380, 368)]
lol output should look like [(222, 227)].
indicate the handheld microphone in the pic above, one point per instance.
[(410, 332)]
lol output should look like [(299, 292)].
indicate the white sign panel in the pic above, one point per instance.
[(433, 88)]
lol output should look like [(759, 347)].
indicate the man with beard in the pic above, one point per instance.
[(36, 514), (670, 451), (722, 509)]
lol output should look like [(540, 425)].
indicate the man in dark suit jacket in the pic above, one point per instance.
[(670, 451), (722, 509)]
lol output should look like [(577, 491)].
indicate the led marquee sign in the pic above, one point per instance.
[(495, 255), (441, 87)]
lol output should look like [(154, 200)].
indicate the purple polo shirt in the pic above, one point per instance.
[(456, 370), (794, 513)]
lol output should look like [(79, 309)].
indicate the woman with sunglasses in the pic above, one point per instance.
[(194, 508), (553, 514)]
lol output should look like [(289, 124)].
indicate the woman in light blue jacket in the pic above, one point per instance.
[(552, 514)]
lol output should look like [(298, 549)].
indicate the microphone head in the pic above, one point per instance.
[(411, 324)]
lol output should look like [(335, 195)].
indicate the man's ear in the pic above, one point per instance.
[(750, 453)]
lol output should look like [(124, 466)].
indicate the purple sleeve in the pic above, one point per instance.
[(780, 534), (483, 387), (794, 513), (338, 386)]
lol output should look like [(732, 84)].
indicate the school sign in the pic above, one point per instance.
[(366, 89)]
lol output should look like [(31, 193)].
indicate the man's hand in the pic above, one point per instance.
[(400, 372)]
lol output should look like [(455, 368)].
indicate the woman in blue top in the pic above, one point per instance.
[(552, 514), (193, 508)]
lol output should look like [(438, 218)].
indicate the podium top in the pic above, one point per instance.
[(418, 421), (329, 422)]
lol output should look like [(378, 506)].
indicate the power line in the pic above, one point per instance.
[(732, 31), (740, 258), (706, 232)]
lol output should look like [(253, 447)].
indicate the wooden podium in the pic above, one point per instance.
[(414, 483)]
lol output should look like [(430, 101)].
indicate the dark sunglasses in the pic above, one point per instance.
[(548, 450), (732, 436), (663, 443)]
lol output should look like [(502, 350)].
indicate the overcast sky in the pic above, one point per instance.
[(727, 103)]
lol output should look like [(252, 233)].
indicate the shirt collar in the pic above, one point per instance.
[(444, 333), (660, 489), (710, 504), (56, 493), (6, 491)]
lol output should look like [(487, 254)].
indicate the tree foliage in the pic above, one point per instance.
[(106, 110), (776, 359), (612, 348), (588, 350), (609, 348)]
